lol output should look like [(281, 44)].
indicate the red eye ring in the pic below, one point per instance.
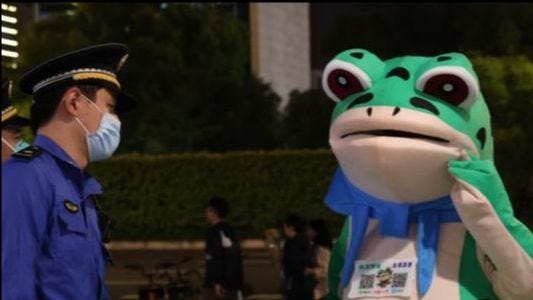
[(448, 87), (452, 84), (343, 83), (342, 79)]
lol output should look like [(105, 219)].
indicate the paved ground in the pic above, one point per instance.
[(260, 273)]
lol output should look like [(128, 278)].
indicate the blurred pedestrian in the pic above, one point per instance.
[(320, 237), (296, 257), (12, 124), (224, 269)]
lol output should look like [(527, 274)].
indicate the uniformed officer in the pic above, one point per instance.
[(51, 242), (12, 124)]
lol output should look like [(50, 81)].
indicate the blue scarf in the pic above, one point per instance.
[(394, 219)]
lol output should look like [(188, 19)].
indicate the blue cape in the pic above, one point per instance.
[(394, 219)]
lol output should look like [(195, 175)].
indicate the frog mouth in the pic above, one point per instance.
[(396, 133)]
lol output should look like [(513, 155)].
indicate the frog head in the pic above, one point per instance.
[(398, 122)]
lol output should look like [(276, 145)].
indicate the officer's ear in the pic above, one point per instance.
[(71, 101)]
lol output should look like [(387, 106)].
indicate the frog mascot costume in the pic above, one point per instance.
[(427, 215)]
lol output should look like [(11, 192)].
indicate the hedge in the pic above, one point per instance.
[(163, 196)]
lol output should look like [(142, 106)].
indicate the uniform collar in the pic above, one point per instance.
[(88, 183), (51, 147)]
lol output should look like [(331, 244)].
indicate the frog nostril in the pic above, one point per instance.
[(396, 111), (369, 111)]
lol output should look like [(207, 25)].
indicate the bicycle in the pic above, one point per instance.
[(179, 287), (152, 291)]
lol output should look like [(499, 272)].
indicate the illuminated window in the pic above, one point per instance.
[(9, 42), (9, 19), (10, 8), (9, 30), (8, 53)]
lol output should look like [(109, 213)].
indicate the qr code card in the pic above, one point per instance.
[(381, 278)]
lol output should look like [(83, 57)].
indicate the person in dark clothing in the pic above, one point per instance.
[(224, 270), (297, 255), (320, 238)]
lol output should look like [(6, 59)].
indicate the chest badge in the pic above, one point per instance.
[(71, 206), (383, 278)]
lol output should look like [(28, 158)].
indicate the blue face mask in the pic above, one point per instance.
[(18, 146), (21, 145), (105, 140)]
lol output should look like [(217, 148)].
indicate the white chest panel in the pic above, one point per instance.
[(445, 278)]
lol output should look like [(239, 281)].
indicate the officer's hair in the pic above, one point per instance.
[(46, 102), (219, 205), (296, 222)]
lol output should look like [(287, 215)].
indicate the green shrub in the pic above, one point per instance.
[(163, 196)]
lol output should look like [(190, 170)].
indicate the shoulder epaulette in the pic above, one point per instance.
[(30, 152)]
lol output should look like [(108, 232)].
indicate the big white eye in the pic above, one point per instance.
[(341, 79), (454, 85)]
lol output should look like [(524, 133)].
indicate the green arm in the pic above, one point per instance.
[(336, 262), (483, 175), (483, 204)]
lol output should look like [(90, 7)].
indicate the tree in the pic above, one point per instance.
[(306, 120), (188, 68)]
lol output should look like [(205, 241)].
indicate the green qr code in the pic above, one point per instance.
[(367, 282), (399, 280)]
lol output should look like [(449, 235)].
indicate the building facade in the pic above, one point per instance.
[(280, 46), (10, 33)]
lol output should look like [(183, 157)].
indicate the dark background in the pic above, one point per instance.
[(189, 67)]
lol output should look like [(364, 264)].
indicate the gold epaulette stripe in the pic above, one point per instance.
[(95, 75), (8, 113)]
